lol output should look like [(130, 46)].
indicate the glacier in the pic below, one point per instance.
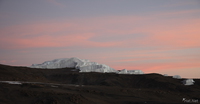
[(124, 71), (176, 76), (188, 82), (83, 65)]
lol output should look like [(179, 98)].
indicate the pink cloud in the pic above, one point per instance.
[(54, 33), (154, 60), (157, 67), (8, 62), (186, 35)]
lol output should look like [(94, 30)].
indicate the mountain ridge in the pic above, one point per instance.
[(92, 87)]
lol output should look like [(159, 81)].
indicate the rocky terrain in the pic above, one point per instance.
[(69, 86)]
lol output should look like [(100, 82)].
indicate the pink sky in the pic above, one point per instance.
[(161, 37)]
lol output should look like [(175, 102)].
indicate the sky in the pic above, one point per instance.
[(155, 36)]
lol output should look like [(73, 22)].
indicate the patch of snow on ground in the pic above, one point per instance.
[(176, 76), (188, 82), (11, 82), (124, 71)]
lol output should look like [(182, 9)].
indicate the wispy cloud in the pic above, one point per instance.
[(154, 32)]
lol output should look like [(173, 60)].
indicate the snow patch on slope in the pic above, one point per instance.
[(124, 71), (188, 82), (176, 76)]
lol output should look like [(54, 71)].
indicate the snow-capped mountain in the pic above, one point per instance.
[(83, 64)]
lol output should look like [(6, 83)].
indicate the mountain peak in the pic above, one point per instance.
[(83, 64)]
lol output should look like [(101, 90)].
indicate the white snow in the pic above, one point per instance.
[(82, 64), (97, 68), (188, 82), (124, 71), (11, 82), (62, 63), (165, 75), (177, 76), (51, 84)]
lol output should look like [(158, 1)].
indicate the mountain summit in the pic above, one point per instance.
[(83, 65)]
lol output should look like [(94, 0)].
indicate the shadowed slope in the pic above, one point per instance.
[(72, 87)]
